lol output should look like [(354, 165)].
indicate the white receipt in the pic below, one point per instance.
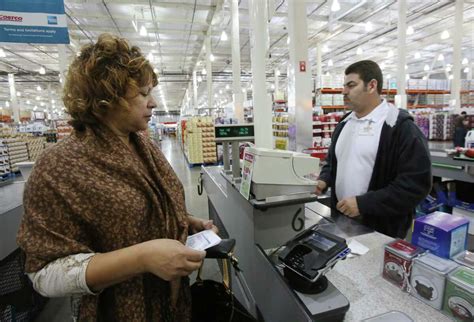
[(203, 240), (357, 248)]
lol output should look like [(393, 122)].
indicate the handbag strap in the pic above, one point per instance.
[(225, 270)]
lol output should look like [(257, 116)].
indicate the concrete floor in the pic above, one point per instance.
[(58, 309)]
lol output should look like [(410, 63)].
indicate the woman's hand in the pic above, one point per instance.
[(196, 225), (169, 259)]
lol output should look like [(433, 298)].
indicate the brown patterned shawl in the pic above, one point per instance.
[(89, 193)]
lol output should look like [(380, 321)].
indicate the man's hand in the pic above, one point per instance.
[(348, 207), (320, 187), (197, 225)]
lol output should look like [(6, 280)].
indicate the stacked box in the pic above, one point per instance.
[(200, 140)]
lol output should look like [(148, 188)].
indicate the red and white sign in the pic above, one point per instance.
[(302, 66)]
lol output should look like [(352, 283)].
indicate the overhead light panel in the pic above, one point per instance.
[(204, 71), (440, 57), (368, 26), (407, 77), (335, 6), (426, 68), (417, 55), (410, 30), (38, 88), (42, 71), (7, 104), (330, 63), (448, 68), (424, 77), (325, 49), (224, 36), (445, 35), (359, 51), (465, 61), (18, 94), (390, 53), (155, 70), (134, 24), (150, 58), (28, 102), (38, 98), (143, 31), (227, 87), (2, 53), (211, 57), (466, 70), (277, 72), (199, 79), (451, 76)]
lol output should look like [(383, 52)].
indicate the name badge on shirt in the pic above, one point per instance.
[(367, 130)]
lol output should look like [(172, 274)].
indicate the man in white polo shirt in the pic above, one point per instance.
[(378, 165)]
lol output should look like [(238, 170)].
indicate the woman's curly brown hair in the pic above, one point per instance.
[(98, 80)]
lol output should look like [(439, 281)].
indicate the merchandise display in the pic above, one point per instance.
[(200, 141)]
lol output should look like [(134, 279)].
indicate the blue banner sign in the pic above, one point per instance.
[(33, 21)]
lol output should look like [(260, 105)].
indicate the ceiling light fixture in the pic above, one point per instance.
[(134, 24), (424, 77), (359, 51), (38, 98), (440, 57), (325, 49), (143, 31), (330, 63), (390, 53), (155, 70), (426, 68), (7, 103), (451, 76), (335, 6), (465, 61), (2, 53), (211, 57), (417, 55), (368, 26), (150, 58), (18, 94), (277, 72), (204, 71), (199, 79), (42, 71), (448, 68), (224, 36), (466, 70), (227, 87), (445, 35), (410, 30), (28, 102), (38, 88)]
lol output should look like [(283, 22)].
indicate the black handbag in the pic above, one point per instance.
[(214, 301)]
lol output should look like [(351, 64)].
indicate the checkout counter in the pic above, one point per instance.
[(11, 212), (260, 224)]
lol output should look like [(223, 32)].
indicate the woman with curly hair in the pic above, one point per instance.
[(105, 215)]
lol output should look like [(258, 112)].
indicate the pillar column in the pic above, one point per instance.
[(401, 61), (300, 107), (14, 101), (237, 96), (457, 42), (262, 109)]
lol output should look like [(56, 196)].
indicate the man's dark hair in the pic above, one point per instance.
[(463, 113), (367, 70)]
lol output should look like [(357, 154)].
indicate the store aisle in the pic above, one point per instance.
[(58, 309), (196, 205)]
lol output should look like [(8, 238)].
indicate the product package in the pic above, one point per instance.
[(442, 234)]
